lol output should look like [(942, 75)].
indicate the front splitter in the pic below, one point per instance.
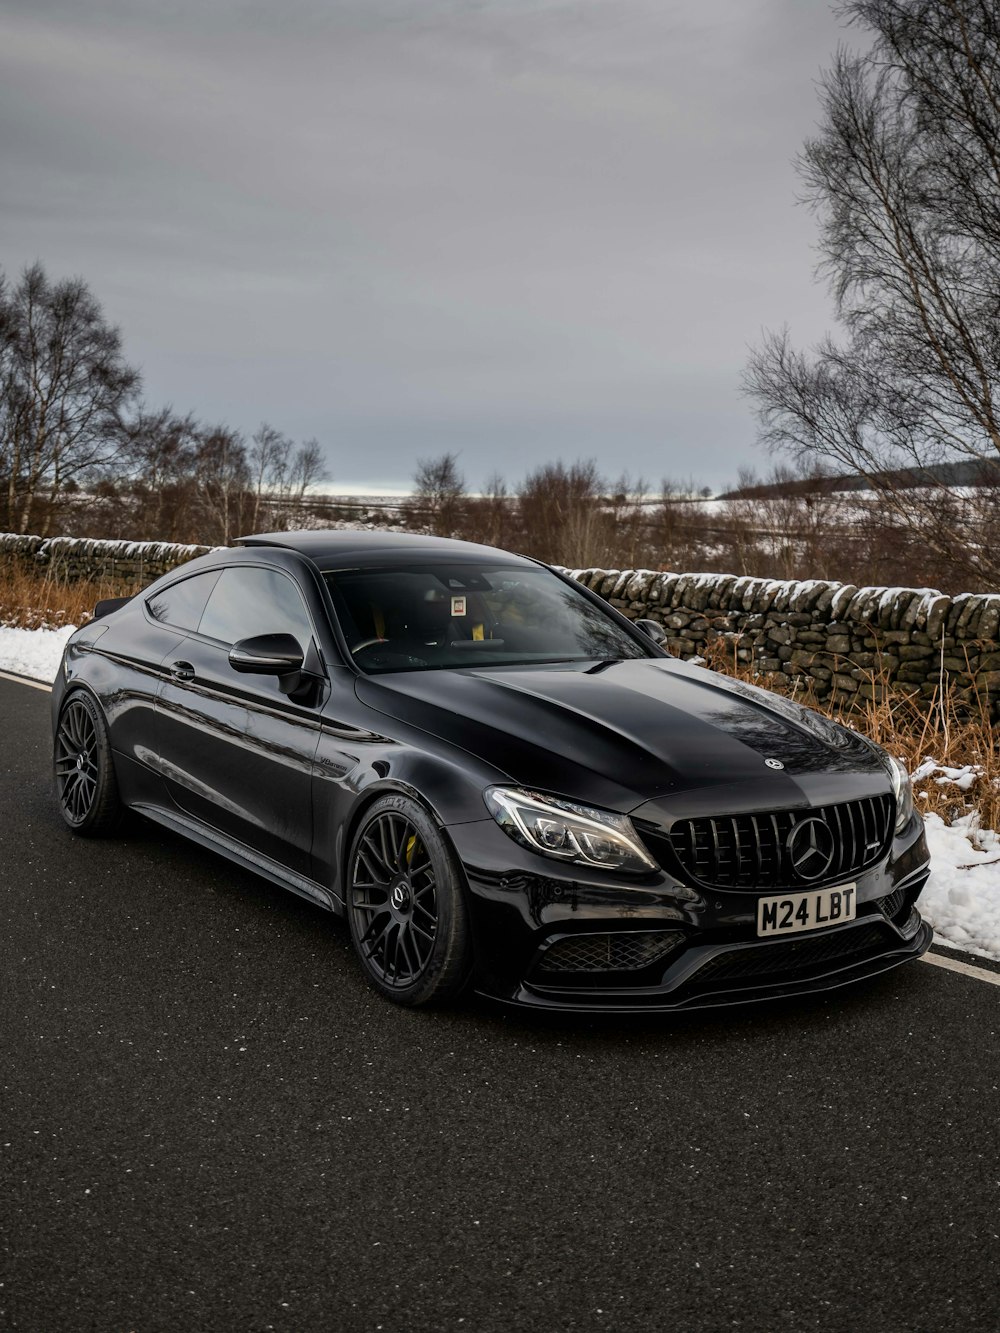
[(688, 998)]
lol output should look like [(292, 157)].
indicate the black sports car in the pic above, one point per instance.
[(493, 775)]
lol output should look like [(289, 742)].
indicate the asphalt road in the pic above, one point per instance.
[(207, 1121)]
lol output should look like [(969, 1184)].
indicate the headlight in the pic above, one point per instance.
[(568, 832), (903, 791)]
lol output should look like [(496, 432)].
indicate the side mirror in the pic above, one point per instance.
[(267, 655), (653, 630)]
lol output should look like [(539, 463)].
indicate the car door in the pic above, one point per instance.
[(236, 751), (129, 662)]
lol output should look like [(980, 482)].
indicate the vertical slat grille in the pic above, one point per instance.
[(752, 851)]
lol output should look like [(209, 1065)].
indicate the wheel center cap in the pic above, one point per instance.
[(79, 761), (399, 898)]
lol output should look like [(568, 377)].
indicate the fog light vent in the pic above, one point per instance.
[(892, 903), (622, 952)]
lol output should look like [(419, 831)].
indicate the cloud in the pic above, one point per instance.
[(526, 227)]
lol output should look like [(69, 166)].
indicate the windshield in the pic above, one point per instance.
[(435, 616)]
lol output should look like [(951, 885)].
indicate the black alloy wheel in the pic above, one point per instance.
[(405, 907), (85, 777)]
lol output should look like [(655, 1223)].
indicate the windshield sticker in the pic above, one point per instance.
[(458, 606)]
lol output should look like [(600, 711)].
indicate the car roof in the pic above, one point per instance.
[(330, 546)]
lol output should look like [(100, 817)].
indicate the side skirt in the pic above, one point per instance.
[(242, 856)]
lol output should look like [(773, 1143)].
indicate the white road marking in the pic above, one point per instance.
[(938, 959), (966, 969), (26, 680)]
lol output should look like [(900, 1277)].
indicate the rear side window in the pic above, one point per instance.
[(182, 604), (248, 601)]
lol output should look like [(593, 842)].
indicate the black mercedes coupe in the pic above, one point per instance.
[(497, 778)]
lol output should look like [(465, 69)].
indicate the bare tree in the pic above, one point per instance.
[(160, 463), (627, 523), (222, 484), (64, 391), (494, 512), (439, 492), (905, 179), (307, 468), (266, 455), (561, 514), (280, 475), (678, 531)]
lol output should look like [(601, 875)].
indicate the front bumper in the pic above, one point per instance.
[(701, 944)]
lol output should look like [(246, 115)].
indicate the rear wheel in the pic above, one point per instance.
[(407, 916), (86, 786)]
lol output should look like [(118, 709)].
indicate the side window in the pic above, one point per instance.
[(248, 601), (182, 604)]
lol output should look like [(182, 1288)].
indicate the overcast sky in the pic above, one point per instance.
[(518, 229)]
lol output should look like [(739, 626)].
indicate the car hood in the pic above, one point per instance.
[(619, 734)]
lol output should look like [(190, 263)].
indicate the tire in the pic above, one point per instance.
[(86, 786), (406, 909)]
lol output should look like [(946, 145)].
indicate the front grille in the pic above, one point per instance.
[(623, 952), (752, 851), (793, 956)]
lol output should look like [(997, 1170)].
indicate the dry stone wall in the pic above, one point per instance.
[(71, 558), (850, 643)]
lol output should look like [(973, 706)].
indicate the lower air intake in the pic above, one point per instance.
[(621, 952), (773, 961)]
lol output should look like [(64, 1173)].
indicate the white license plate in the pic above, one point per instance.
[(789, 912)]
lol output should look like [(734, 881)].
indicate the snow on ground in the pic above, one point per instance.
[(33, 652), (962, 897)]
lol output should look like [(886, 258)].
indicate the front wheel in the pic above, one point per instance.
[(86, 786), (405, 908)]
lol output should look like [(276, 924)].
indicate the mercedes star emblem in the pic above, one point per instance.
[(810, 848)]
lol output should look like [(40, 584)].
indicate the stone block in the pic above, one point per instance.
[(937, 610), (872, 689), (913, 672), (802, 657)]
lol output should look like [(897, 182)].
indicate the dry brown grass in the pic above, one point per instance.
[(909, 727), (32, 600)]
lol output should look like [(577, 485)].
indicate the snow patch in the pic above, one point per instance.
[(33, 652), (962, 897)]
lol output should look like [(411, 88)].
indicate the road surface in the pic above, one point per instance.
[(208, 1122)]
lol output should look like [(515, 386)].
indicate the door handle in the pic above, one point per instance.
[(182, 670)]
